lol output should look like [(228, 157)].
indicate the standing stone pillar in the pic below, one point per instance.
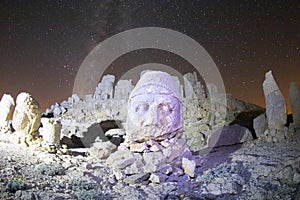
[(275, 103), (51, 132), (294, 95)]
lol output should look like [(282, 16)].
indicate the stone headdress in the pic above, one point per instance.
[(156, 82)]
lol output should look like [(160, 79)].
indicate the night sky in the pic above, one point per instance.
[(43, 43)]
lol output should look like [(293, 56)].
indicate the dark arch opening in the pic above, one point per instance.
[(94, 131)]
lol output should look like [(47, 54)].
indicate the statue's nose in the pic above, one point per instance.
[(151, 117)]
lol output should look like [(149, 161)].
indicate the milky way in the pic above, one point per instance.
[(42, 44)]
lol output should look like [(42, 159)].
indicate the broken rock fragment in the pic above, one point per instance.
[(230, 135)]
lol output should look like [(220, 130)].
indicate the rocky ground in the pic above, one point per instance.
[(253, 170)]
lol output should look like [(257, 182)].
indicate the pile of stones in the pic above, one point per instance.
[(153, 149)]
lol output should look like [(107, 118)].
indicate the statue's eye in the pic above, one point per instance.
[(142, 107), (165, 107)]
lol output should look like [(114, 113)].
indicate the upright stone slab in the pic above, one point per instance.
[(123, 89), (211, 88), (178, 85), (294, 95), (189, 80), (275, 103), (6, 106), (105, 89), (199, 91)]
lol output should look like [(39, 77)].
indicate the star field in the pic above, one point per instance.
[(42, 43)]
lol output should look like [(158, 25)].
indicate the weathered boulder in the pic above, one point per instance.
[(6, 107), (230, 135), (189, 166), (27, 114), (294, 95), (115, 132), (275, 103), (122, 154), (101, 150), (158, 177), (50, 131), (260, 125), (153, 160), (136, 178)]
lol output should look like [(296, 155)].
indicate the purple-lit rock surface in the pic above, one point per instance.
[(230, 135), (153, 128), (154, 108)]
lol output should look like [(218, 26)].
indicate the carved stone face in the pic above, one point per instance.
[(154, 109)]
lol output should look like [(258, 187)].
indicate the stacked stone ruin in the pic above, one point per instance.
[(204, 118), (202, 115)]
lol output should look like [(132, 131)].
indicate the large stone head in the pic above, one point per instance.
[(154, 108)]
